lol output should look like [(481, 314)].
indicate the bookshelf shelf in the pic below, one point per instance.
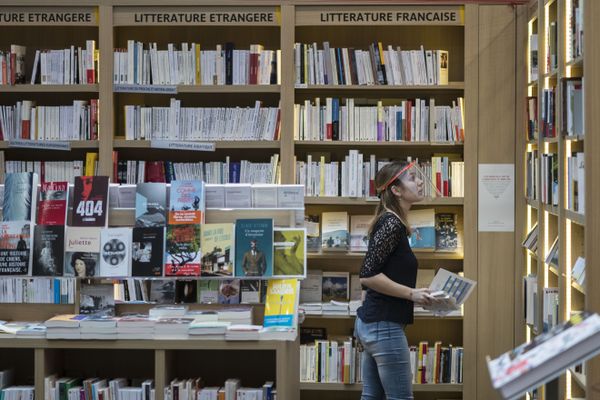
[(75, 144), (442, 201), (554, 270), (533, 203), (417, 317), (25, 88), (576, 217), (553, 210), (198, 89), (576, 138), (533, 83), (241, 144), (451, 86), (576, 62), (421, 255), (440, 388), (580, 379), (577, 287), (551, 75), (550, 139), (364, 144)]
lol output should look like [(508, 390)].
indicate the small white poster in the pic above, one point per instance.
[(496, 197)]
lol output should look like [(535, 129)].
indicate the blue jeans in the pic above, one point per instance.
[(386, 369)]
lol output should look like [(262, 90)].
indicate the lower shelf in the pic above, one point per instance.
[(356, 387)]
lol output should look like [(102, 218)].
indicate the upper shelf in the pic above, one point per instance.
[(440, 201), (25, 88), (451, 86), (387, 144), (231, 144)]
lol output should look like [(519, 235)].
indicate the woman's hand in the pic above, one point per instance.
[(421, 297)]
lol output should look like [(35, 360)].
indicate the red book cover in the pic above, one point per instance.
[(277, 125), (155, 172), (90, 201), (253, 66), (115, 160), (25, 127), (52, 206), (438, 182), (13, 67), (94, 119), (4, 71)]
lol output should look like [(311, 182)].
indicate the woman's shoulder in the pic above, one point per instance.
[(390, 221)]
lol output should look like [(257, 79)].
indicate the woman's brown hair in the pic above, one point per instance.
[(387, 199)]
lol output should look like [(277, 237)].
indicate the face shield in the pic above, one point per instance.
[(417, 181)]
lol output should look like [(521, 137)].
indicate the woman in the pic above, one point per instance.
[(389, 273), (81, 265)]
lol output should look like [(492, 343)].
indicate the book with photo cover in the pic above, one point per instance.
[(48, 250), (336, 286), (15, 248), (254, 247), (186, 291), (229, 291), (186, 205), (52, 205), (162, 291), (96, 298), (150, 205), (115, 252), (183, 253), (148, 251), (90, 201), (422, 223), (446, 235), (334, 231), (20, 196), (250, 290), (217, 249), (209, 291), (82, 252)]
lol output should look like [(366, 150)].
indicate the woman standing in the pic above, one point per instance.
[(389, 273)]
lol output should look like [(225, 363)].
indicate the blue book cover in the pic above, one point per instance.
[(150, 205), (19, 197), (187, 203), (253, 247), (422, 223)]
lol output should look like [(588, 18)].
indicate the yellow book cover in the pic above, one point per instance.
[(281, 303), (90, 164), (197, 52)]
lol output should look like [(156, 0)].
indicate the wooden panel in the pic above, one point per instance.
[(496, 145), (287, 95), (106, 114)]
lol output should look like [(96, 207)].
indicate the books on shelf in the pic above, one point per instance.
[(531, 241), (20, 197), (532, 118), (578, 271), (289, 252), (52, 204), (29, 121), (281, 304), (96, 300), (82, 252), (377, 65), (48, 250), (533, 57), (48, 171), (90, 201), (150, 205), (548, 110), (572, 107), (550, 304), (115, 252), (186, 203), (70, 66), (217, 249), (531, 173), (531, 300), (16, 247), (145, 64), (201, 123), (254, 247), (359, 232), (183, 253), (446, 234), (335, 233), (549, 179), (422, 223), (576, 182), (37, 291), (12, 65), (552, 256), (552, 47), (335, 287), (350, 119), (547, 356), (575, 29)]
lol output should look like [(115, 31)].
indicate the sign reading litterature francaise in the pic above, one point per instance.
[(198, 16), (384, 15), (50, 16)]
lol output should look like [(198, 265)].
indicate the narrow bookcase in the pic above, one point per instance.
[(552, 29)]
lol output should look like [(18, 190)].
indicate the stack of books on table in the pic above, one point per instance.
[(209, 330), (64, 326), (243, 332), (312, 308), (19, 329), (98, 328), (335, 308), (172, 328), (237, 316), (135, 326)]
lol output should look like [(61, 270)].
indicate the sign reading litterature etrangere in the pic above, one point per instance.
[(198, 16), (50, 16)]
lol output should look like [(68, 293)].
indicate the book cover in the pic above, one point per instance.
[(162, 292), (250, 291), (15, 248), (186, 291), (281, 304), (313, 233), (20, 191), (442, 64), (186, 202), (90, 200), (115, 252), (359, 232), (229, 291), (48, 250), (446, 235), (52, 206), (183, 253), (254, 247), (82, 251), (96, 298), (422, 223), (150, 205), (311, 288), (289, 252), (334, 231), (209, 291), (336, 286), (148, 251), (217, 249)]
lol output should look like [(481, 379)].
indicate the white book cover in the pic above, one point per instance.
[(238, 196), (214, 196), (359, 232), (311, 287), (264, 196), (335, 231), (115, 252)]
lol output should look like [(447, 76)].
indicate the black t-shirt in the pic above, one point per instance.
[(389, 253)]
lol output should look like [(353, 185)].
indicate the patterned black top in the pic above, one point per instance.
[(389, 253)]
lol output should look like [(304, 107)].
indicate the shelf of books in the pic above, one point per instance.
[(554, 176)]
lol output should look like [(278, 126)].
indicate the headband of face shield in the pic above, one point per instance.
[(423, 172)]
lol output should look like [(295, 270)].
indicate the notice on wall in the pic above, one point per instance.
[(496, 198)]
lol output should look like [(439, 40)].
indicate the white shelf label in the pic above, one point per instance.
[(179, 145), (41, 144), (164, 89)]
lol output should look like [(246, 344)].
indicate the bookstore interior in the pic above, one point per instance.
[(189, 200)]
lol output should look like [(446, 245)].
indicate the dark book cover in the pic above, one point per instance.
[(90, 201), (446, 235), (15, 247), (48, 250), (183, 254), (148, 249), (162, 292), (155, 172), (150, 205), (52, 205), (186, 291), (229, 47), (20, 191), (250, 290), (96, 298), (254, 247), (309, 335)]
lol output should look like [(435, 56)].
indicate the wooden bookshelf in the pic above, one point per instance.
[(451, 86), (24, 88), (340, 201), (241, 144), (417, 388)]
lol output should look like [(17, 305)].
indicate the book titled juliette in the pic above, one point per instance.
[(183, 250), (52, 206), (90, 200), (187, 202)]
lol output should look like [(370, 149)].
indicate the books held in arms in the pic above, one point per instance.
[(254, 247), (281, 309), (90, 200), (547, 356), (450, 291)]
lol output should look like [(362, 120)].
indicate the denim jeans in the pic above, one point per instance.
[(386, 369)]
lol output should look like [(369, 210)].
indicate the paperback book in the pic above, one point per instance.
[(148, 251), (422, 223), (281, 304), (90, 201), (186, 202), (96, 299), (335, 286), (183, 253), (446, 235), (48, 250), (150, 205), (52, 206), (359, 232), (250, 291), (335, 231), (20, 194), (186, 291), (289, 252), (115, 252), (217, 249), (254, 247), (82, 252), (229, 291), (15, 248), (209, 291), (162, 292)]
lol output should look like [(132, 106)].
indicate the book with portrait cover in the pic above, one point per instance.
[(48, 250), (229, 291), (289, 252), (217, 249), (148, 251), (52, 205), (115, 252), (183, 254), (150, 205), (20, 195), (90, 201), (15, 248), (254, 247), (82, 251), (186, 204)]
